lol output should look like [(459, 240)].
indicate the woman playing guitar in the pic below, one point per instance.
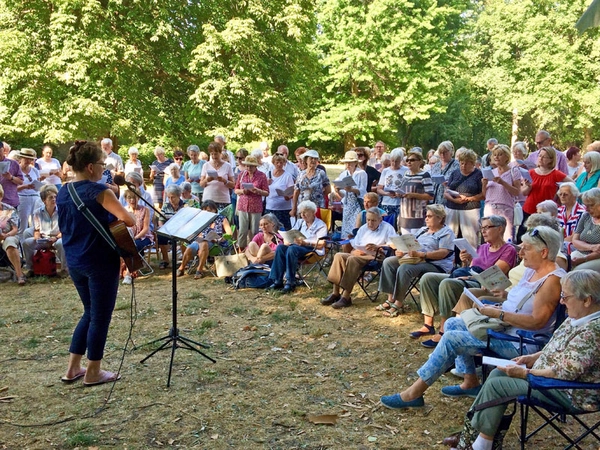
[(93, 264)]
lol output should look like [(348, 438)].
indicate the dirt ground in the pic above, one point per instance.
[(279, 360)]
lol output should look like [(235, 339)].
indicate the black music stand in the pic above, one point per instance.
[(185, 225)]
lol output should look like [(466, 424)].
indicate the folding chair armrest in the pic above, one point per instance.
[(545, 383), (531, 337), (491, 334)]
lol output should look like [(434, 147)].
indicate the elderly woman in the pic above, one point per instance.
[(29, 197), (417, 190), (544, 176), (133, 164), (463, 195), (574, 163), (263, 165), (570, 210), (8, 236), (45, 226), (192, 170), (440, 289), (138, 181), (140, 231), (537, 294), (50, 168), (519, 152), (435, 255), (350, 195), (201, 246), (590, 178), (217, 177), (157, 174), (445, 166), (390, 182), (547, 207), (346, 267), (280, 180), (172, 204), (261, 250), (586, 238), (175, 176), (250, 187), (312, 184), (288, 256), (188, 198), (572, 354), (502, 192)]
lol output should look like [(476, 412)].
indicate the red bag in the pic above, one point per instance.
[(44, 263)]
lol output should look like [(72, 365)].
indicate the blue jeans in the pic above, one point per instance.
[(286, 262), (458, 346), (97, 288)]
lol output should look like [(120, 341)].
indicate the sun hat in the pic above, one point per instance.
[(27, 153), (311, 153), (350, 156), (250, 161)]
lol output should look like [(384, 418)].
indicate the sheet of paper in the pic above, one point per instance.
[(499, 362), (285, 193), (492, 278), (291, 235), (4, 166), (475, 300), (247, 186), (526, 175), (439, 179), (344, 182), (395, 189), (212, 173), (453, 193), (488, 174), (37, 184), (405, 243), (110, 166), (154, 168), (463, 244)]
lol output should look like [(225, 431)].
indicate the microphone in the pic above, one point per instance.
[(120, 181)]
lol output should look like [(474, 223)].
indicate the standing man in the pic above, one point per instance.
[(376, 155), (486, 159), (290, 167), (10, 179), (112, 157), (543, 139), (230, 158)]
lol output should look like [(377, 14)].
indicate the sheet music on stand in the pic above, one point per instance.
[(187, 224)]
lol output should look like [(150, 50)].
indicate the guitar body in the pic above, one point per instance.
[(133, 260)]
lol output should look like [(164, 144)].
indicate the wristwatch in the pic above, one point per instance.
[(501, 316)]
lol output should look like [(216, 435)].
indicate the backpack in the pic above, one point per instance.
[(252, 276), (44, 263)]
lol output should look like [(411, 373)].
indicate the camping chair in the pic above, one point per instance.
[(312, 264), (553, 415), (373, 268), (229, 248), (391, 219)]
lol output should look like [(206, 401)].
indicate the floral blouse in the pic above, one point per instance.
[(312, 188), (573, 354)]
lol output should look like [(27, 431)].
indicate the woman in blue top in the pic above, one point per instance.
[(93, 265)]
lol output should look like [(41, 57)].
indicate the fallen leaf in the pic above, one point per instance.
[(327, 419), (331, 346), (214, 436)]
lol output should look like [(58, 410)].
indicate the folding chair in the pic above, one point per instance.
[(391, 219), (373, 267), (553, 415)]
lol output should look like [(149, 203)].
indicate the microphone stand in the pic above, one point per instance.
[(173, 339)]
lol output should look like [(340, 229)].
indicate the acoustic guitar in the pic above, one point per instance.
[(133, 260)]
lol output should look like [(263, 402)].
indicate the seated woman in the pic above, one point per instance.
[(346, 267), (437, 245), (547, 207), (170, 207), (142, 235), (570, 210), (186, 195), (539, 287), (45, 226), (9, 227), (440, 291), (572, 354), (586, 238), (287, 256), (201, 246), (261, 250)]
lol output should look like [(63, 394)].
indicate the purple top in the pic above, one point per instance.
[(486, 259), (11, 197)]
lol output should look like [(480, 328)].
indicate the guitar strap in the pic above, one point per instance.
[(92, 219)]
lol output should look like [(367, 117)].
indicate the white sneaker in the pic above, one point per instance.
[(457, 374), (127, 279)]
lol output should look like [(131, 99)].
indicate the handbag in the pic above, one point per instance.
[(517, 215), (410, 260), (478, 323), (227, 265)]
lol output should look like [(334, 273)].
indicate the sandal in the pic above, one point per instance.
[(22, 280), (382, 307), (394, 310), (199, 274), (179, 272)]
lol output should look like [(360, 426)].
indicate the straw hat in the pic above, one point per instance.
[(27, 153), (250, 161), (349, 157)]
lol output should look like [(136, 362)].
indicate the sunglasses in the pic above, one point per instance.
[(178, 159), (536, 234), (239, 158), (412, 160)]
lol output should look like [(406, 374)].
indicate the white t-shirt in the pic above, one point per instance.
[(275, 201), (46, 167), (216, 190)]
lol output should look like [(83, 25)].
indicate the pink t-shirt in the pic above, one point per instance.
[(496, 193), (486, 259), (260, 240), (544, 187), (251, 203)]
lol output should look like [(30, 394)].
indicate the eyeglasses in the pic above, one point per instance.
[(239, 157), (540, 143), (412, 160), (487, 227), (279, 154), (100, 164), (565, 297), (536, 234)]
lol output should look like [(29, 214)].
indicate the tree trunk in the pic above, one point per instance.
[(587, 138), (349, 142), (515, 127)]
